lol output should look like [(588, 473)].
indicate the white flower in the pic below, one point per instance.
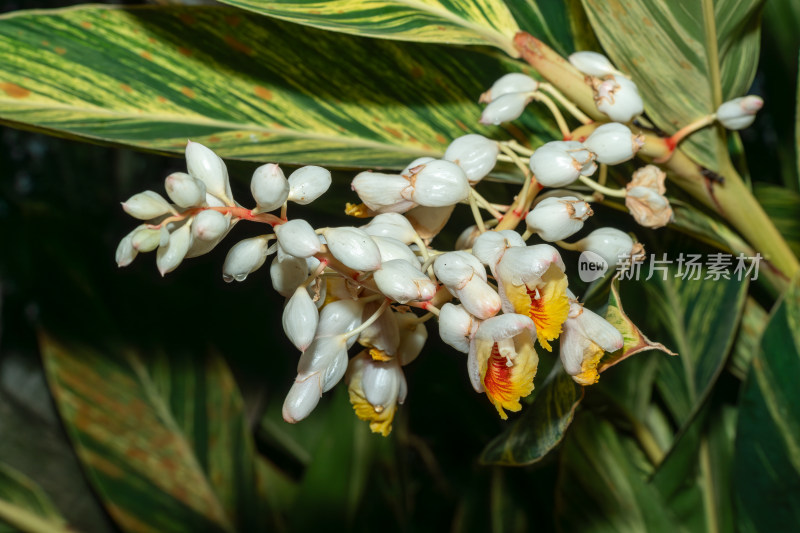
[(300, 319), (586, 337), (505, 108), (413, 335), (739, 113), (436, 184), (353, 247), (592, 64), (392, 225), (417, 162), (490, 246), (298, 238), (185, 190), (559, 163), (611, 244), (515, 82), (170, 256), (382, 193), (308, 183), (339, 317), (429, 221), (269, 187), (394, 249), (287, 272), (126, 253), (210, 225), (555, 219), (465, 277), (146, 239), (205, 165), (383, 335), (302, 398), (618, 97), (402, 282), (476, 154), (245, 257), (376, 388), (147, 205), (613, 143), (457, 326)]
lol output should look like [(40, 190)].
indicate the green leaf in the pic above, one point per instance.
[(690, 220), (541, 427), (767, 460), (248, 87), (164, 440), (754, 320), (546, 20), (601, 488), (485, 22), (700, 318), (24, 505), (634, 341), (783, 206), (662, 44)]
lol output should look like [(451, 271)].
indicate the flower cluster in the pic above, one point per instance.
[(496, 296)]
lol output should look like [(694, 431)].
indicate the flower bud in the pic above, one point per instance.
[(353, 247), (269, 187), (490, 246), (303, 397), (592, 64), (170, 256), (146, 239), (417, 162), (613, 143), (455, 269), (429, 221), (300, 319), (383, 383), (467, 238), (306, 184), (475, 154), (383, 335), (739, 113), (618, 97), (392, 225), (611, 244), (559, 163), (209, 225), (555, 219), (326, 356), (413, 335), (287, 272), (185, 190), (245, 257), (147, 205), (456, 326), (382, 193), (402, 282), (514, 82), (394, 249), (505, 108), (126, 253), (298, 238), (205, 165), (339, 317), (437, 184), (645, 198)]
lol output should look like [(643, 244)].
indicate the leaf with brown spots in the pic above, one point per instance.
[(266, 90), (163, 439)]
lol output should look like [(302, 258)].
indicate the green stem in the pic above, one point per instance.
[(709, 491)]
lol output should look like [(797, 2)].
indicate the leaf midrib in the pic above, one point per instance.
[(223, 125)]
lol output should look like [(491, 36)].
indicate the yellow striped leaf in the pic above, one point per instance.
[(485, 22), (662, 44), (247, 86), (163, 439)]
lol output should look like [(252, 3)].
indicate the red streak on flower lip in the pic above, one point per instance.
[(497, 379)]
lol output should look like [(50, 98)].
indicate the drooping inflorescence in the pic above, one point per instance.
[(495, 295)]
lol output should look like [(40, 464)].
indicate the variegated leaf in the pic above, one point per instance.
[(24, 505), (433, 21), (662, 44), (246, 86), (634, 340), (163, 439)]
